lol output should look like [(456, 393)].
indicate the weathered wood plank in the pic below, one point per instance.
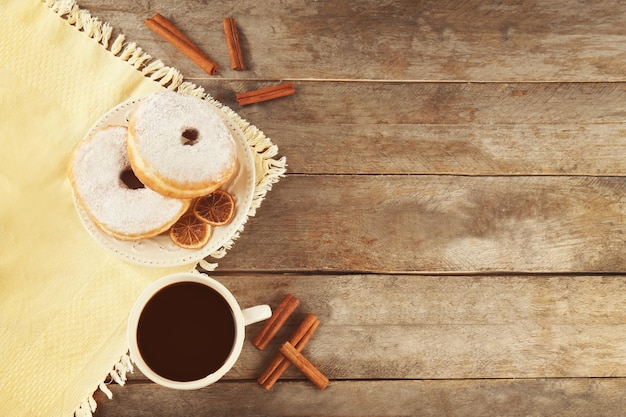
[(468, 129), (444, 327), (596, 149), (516, 149), (403, 40), (476, 398), (437, 224), (367, 103)]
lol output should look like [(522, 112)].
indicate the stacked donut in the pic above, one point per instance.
[(135, 182)]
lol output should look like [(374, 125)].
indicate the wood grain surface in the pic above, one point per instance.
[(479, 398), (453, 210), (451, 40), (460, 224)]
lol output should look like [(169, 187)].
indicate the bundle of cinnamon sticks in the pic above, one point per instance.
[(168, 31), (290, 351)]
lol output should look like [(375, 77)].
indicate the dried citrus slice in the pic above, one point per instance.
[(217, 208), (189, 232)]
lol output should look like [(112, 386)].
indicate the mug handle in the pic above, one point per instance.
[(256, 314)]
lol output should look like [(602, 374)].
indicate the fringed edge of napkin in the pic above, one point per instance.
[(117, 375), (171, 79)]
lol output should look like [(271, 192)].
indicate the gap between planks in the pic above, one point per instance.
[(402, 81)]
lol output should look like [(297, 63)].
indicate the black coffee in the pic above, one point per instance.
[(186, 331)]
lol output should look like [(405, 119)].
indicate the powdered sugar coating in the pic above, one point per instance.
[(122, 212), (158, 149)]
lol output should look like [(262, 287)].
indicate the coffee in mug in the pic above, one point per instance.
[(187, 330)]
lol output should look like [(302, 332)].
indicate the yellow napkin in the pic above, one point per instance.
[(64, 299)]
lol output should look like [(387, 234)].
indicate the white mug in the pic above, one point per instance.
[(163, 335)]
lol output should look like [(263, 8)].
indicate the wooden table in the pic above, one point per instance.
[(453, 212)]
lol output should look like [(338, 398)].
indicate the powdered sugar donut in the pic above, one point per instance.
[(102, 180), (179, 146)]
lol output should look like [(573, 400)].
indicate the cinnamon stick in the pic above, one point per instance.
[(274, 323), (304, 365), (264, 94), (298, 339), (166, 29), (163, 21), (232, 43)]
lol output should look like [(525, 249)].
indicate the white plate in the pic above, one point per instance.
[(160, 251)]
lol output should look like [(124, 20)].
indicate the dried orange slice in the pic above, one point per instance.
[(217, 208), (190, 232)]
